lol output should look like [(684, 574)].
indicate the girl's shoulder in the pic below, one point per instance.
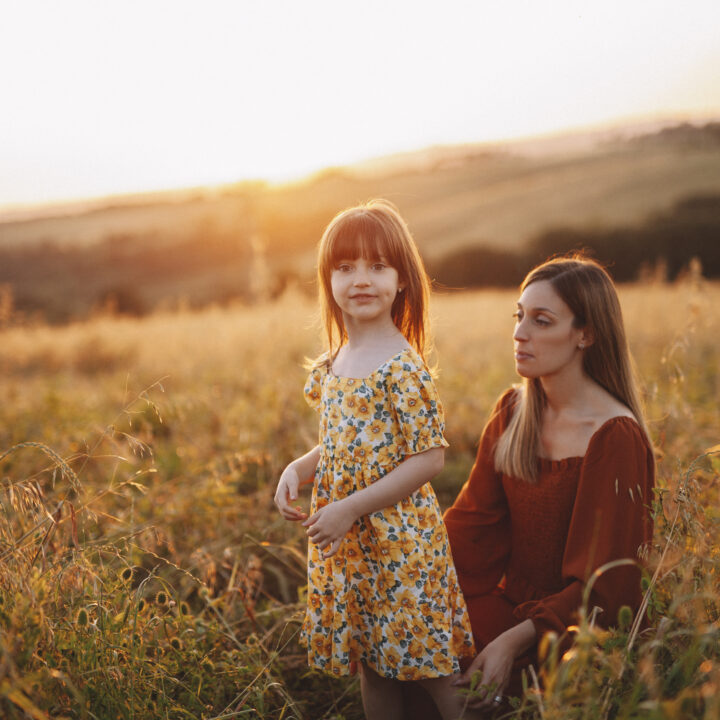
[(406, 360), (407, 363), (320, 364)]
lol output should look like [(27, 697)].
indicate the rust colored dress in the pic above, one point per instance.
[(524, 551)]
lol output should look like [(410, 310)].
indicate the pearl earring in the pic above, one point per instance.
[(581, 346)]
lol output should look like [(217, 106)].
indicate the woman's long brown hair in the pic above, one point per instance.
[(586, 288)]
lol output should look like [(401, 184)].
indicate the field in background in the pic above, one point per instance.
[(144, 571), (251, 240), (451, 199)]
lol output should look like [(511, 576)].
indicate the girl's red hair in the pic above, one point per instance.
[(372, 231)]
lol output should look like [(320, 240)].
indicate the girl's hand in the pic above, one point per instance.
[(287, 491), (329, 525), (495, 665)]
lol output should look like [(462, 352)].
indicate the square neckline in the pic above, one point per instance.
[(331, 372), (572, 460)]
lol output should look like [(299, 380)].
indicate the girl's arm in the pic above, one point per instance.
[(299, 472), (329, 525)]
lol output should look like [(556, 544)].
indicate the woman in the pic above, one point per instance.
[(562, 482)]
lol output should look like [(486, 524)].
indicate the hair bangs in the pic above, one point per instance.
[(374, 231), (357, 235)]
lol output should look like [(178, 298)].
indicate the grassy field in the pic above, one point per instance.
[(144, 572)]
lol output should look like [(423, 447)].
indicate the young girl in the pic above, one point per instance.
[(382, 588)]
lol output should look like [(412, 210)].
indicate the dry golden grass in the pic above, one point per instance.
[(177, 482)]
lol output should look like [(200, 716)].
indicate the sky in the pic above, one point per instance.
[(105, 97)]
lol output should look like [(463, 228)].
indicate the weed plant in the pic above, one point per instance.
[(144, 572)]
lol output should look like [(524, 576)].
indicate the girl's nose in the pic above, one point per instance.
[(361, 278)]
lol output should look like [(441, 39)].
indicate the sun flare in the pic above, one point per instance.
[(124, 97)]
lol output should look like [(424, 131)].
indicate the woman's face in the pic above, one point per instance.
[(546, 342)]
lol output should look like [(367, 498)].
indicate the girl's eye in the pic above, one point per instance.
[(343, 267), (379, 266)]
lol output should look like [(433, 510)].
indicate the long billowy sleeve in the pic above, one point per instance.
[(478, 522), (611, 520)]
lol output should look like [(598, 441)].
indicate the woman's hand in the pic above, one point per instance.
[(495, 665), (287, 491), (495, 662), (329, 525)]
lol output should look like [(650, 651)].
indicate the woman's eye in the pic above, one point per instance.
[(542, 321)]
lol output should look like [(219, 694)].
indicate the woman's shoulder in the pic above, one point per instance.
[(509, 397), (507, 402), (617, 437), (503, 410)]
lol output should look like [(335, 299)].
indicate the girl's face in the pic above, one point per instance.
[(546, 342), (365, 289)]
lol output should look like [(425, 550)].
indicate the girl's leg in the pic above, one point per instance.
[(448, 700), (381, 696), (417, 703)]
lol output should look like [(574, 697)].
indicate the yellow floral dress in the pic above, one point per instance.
[(389, 597)]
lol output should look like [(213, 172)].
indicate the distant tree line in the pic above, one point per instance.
[(134, 275), (690, 230), (128, 275)]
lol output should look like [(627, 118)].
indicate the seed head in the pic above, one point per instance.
[(624, 617)]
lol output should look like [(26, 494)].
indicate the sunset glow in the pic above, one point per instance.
[(115, 97)]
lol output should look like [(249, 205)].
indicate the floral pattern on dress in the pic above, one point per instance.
[(390, 596)]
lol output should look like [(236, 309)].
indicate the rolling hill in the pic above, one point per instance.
[(499, 197)]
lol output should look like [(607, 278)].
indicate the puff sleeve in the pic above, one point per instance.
[(478, 522), (610, 520), (416, 407), (313, 389)]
